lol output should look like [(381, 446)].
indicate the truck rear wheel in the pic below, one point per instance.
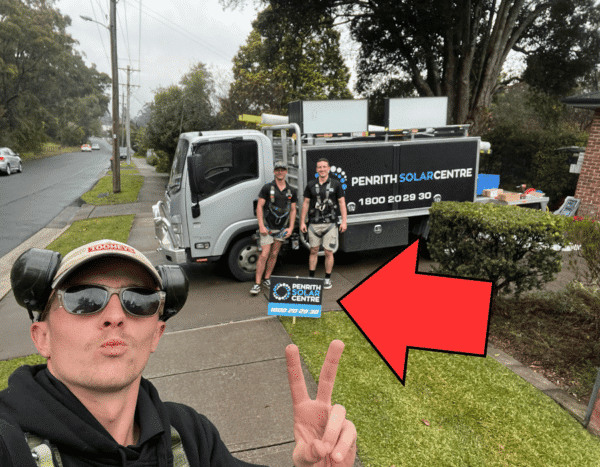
[(242, 259)]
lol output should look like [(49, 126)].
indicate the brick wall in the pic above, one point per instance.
[(588, 185)]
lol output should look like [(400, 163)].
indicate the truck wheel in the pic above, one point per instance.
[(242, 259)]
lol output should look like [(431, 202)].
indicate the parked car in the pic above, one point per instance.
[(86, 148), (10, 161), (123, 152), (95, 146)]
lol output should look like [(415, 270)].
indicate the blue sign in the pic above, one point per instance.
[(486, 182), (295, 296)]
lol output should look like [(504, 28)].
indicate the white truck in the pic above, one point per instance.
[(390, 178)]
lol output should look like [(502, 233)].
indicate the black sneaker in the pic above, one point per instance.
[(255, 289)]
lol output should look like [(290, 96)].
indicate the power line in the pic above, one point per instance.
[(176, 27), (99, 31), (124, 33)]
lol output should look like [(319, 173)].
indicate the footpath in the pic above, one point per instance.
[(235, 372)]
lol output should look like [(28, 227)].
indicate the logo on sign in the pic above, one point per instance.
[(287, 290), (339, 173)]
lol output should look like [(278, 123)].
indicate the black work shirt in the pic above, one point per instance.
[(336, 192), (280, 198)]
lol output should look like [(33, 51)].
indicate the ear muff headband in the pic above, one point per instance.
[(31, 278), (33, 272)]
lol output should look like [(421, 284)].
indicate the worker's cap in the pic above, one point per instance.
[(280, 165), (102, 249)]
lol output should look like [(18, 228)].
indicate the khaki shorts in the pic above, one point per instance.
[(268, 239), (329, 240)]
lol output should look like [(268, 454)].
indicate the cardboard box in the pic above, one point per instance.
[(509, 196), (492, 192)]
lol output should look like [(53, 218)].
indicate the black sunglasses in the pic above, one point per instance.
[(89, 299)]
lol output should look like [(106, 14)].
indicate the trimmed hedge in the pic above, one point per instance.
[(508, 245)]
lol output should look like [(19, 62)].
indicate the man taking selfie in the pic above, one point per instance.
[(101, 313)]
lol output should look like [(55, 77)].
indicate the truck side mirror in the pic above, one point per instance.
[(196, 209)]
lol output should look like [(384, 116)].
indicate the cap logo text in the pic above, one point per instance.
[(111, 246)]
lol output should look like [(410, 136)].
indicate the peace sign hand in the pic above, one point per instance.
[(323, 436)]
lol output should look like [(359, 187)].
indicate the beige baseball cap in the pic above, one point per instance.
[(98, 249)]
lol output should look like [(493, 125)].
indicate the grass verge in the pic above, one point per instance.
[(90, 230), (454, 411), (48, 150), (102, 194), (130, 168)]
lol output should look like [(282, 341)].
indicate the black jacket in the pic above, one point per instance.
[(42, 405)]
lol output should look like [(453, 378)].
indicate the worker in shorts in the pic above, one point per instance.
[(323, 197), (276, 213)]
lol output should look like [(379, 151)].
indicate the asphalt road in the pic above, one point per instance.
[(29, 201)]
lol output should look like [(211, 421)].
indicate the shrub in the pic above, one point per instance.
[(163, 163), (152, 159), (510, 246), (585, 233)]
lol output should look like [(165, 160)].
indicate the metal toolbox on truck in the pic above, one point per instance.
[(371, 235)]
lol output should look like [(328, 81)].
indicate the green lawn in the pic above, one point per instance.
[(48, 150), (102, 193), (454, 411), (90, 230), (8, 366)]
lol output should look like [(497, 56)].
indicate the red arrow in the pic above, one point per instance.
[(397, 309)]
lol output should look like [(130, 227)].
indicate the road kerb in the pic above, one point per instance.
[(40, 240)]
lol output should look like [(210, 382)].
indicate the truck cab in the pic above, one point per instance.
[(197, 222)]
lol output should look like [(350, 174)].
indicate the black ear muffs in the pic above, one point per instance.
[(33, 272), (31, 278), (176, 286)]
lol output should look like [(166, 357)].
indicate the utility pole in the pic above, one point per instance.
[(115, 97), (127, 114), (123, 111), (112, 28)]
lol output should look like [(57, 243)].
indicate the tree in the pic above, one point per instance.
[(44, 84), (178, 109), (559, 52), (143, 116), (281, 62), (454, 48), (525, 128)]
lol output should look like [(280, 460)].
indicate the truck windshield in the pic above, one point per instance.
[(177, 168)]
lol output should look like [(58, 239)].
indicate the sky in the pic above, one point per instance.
[(159, 39)]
